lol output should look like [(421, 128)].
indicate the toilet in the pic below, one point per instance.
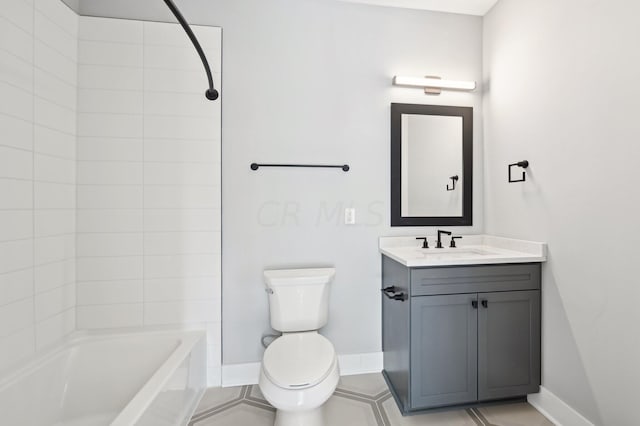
[(299, 370)]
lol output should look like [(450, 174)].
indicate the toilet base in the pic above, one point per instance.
[(314, 417)]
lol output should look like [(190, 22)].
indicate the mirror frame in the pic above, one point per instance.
[(396, 164)]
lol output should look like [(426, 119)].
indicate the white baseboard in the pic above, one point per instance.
[(350, 364), (556, 410)]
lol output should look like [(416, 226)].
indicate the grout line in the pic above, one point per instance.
[(33, 173)]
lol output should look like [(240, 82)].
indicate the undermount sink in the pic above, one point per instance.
[(474, 250)]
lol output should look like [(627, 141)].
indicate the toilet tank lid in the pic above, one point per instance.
[(306, 276)]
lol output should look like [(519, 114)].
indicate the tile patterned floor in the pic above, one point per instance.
[(362, 400)]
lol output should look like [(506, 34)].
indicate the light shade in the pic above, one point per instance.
[(434, 82)]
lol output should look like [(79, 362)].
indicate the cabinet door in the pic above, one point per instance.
[(508, 344), (444, 344)]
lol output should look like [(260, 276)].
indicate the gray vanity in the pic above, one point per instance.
[(461, 326)]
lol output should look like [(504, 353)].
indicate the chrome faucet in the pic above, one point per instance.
[(439, 243)]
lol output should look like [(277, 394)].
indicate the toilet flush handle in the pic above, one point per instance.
[(268, 290)]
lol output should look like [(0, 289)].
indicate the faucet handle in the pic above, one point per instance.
[(425, 243), (453, 242)]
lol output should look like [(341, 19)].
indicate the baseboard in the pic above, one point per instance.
[(556, 410), (350, 364)]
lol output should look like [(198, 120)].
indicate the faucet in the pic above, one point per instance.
[(439, 244), (453, 242), (425, 244)]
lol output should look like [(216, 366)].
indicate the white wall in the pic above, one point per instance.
[(310, 81), (149, 239), (560, 92), (37, 175)]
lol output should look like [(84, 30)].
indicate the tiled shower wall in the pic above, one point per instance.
[(38, 68), (148, 200)]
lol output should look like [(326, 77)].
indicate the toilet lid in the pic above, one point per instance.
[(298, 360)]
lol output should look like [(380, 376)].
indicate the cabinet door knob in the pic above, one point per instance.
[(485, 304), (474, 303)]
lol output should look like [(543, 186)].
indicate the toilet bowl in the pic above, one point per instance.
[(299, 370), (299, 374)]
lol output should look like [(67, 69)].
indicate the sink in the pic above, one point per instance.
[(474, 250)]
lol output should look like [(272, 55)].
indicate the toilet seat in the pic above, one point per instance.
[(298, 360)]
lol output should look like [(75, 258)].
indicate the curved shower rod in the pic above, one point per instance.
[(211, 93)]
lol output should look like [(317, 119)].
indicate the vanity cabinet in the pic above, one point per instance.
[(460, 335)]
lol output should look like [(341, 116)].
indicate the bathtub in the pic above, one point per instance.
[(136, 378)]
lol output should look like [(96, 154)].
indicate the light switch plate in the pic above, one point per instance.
[(350, 216)]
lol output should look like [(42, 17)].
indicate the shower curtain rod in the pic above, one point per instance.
[(211, 93)]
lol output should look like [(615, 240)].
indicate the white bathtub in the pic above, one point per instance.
[(140, 378)]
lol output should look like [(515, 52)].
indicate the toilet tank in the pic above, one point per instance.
[(298, 298)]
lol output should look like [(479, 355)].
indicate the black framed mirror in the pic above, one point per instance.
[(431, 165)]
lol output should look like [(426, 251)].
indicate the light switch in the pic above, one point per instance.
[(350, 216)]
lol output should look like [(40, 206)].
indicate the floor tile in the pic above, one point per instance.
[(443, 418), (349, 412), (521, 414), (215, 397), (367, 384), (239, 415)]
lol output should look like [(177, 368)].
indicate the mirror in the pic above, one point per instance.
[(431, 165)]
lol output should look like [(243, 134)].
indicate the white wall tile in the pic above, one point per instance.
[(109, 78), (16, 255), (110, 54), (54, 142), (175, 266), (110, 30), (159, 220), (110, 101), (185, 197), (52, 61), (16, 194), (158, 127), (109, 316), (173, 289), (160, 33), (110, 149), (108, 268), (16, 224), (52, 302), (177, 81), (170, 243), (55, 90), (16, 102), (55, 36), (110, 125), (110, 244), (178, 58), (15, 163), (159, 313), (16, 347), (15, 286), (54, 222), (181, 150), (16, 71), (54, 328), (179, 104), (53, 275), (16, 40), (18, 12), (109, 292), (54, 169), (109, 197), (54, 249), (54, 195), (182, 174), (54, 116), (15, 316), (112, 220), (16, 132), (109, 172), (59, 13)]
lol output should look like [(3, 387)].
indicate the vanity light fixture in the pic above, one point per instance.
[(434, 85)]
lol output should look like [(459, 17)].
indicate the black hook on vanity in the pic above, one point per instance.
[(524, 164), (454, 179)]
